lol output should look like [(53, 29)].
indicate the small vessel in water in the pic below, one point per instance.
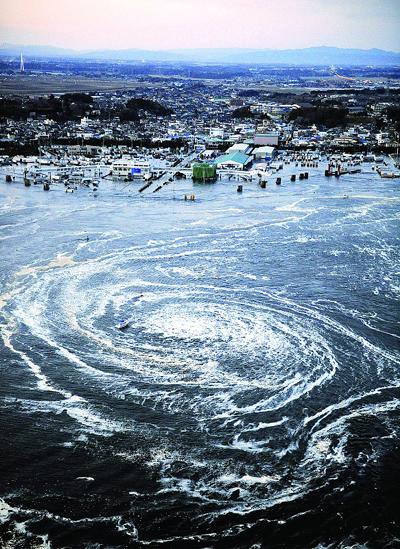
[(122, 324), (389, 175)]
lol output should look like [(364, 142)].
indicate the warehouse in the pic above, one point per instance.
[(266, 153), (130, 168), (233, 161), (267, 138), (244, 148)]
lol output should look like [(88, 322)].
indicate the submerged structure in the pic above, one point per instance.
[(204, 172)]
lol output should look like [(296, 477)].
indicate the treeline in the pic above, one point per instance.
[(13, 148), (246, 112), (249, 93), (67, 107), (393, 114), (72, 106), (320, 116), (242, 112), (130, 112)]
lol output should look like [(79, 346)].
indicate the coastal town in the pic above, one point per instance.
[(161, 126)]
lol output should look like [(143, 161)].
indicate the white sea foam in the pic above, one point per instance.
[(43, 382), (233, 361)]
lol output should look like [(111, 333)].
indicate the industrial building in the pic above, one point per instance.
[(126, 167), (244, 148), (266, 153), (204, 172), (234, 161), (267, 138)]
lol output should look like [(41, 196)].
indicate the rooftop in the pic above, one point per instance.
[(238, 157)]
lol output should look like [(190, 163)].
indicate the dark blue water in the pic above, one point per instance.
[(254, 399)]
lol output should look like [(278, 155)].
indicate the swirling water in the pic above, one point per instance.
[(254, 398)]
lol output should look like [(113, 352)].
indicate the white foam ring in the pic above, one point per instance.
[(225, 364)]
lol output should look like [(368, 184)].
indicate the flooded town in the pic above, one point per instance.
[(199, 283), (248, 127)]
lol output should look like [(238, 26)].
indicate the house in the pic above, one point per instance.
[(217, 132)]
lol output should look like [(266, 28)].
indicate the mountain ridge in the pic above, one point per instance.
[(316, 55)]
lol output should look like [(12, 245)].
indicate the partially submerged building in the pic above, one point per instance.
[(233, 161), (204, 172), (266, 153), (244, 148), (126, 167)]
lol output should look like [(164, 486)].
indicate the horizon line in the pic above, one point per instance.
[(219, 48)]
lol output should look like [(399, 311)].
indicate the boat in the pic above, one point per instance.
[(122, 324), (389, 175)]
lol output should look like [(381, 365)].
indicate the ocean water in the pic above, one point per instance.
[(254, 399)]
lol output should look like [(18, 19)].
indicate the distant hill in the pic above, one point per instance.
[(307, 56), (11, 50), (133, 55), (322, 55)]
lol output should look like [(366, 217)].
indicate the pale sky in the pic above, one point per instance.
[(171, 24)]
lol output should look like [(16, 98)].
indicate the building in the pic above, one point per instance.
[(266, 153), (233, 161), (208, 153), (244, 129), (85, 150), (217, 132), (205, 172), (267, 138), (127, 167), (244, 148)]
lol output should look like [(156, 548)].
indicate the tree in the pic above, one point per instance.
[(242, 112), (322, 116)]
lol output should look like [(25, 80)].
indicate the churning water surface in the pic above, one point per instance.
[(254, 399)]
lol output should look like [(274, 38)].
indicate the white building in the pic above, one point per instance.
[(217, 132), (244, 129), (127, 167), (264, 153), (244, 148)]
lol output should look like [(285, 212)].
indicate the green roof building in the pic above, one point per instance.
[(233, 160)]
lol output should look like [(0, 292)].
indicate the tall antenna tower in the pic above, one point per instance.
[(21, 65)]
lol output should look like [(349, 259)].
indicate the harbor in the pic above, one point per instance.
[(288, 167)]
